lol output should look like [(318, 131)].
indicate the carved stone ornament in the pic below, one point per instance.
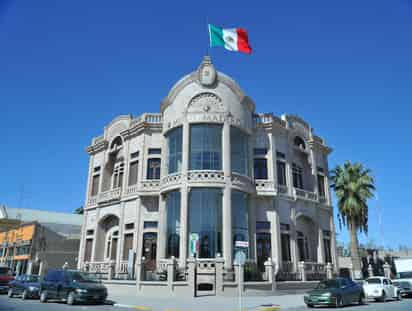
[(207, 72), (205, 103)]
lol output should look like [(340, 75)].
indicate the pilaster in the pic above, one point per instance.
[(276, 249), (183, 226), (227, 227), (161, 240), (252, 227)]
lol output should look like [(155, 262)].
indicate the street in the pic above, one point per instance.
[(16, 304)]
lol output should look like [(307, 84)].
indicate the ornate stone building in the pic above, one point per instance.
[(206, 175)]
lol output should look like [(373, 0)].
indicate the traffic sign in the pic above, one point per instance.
[(240, 257), (194, 244)]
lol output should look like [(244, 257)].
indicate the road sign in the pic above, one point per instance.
[(194, 244)]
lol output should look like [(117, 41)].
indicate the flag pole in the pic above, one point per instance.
[(208, 34)]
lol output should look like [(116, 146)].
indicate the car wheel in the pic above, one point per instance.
[(24, 295), (71, 299), (43, 296), (339, 302), (310, 305), (10, 293), (361, 299)]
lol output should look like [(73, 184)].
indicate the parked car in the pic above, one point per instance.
[(336, 292), (405, 287), (25, 285), (380, 289), (73, 286), (6, 275)]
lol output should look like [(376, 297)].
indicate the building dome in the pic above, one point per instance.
[(206, 95)]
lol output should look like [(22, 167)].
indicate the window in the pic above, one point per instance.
[(128, 245), (297, 173), (239, 151), (320, 169), (285, 242), (260, 151), (88, 250), (96, 169), (116, 143), (240, 211), (205, 219), (321, 185), (327, 245), (134, 155), (111, 244), (262, 225), (280, 155), (95, 185), (129, 226), (303, 246), (281, 172), (174, 141), (155, 151), (153, 168), (173, 224), (205, 147), (150, 224), (260, 169), (133, 172), (90, 232), (118, 172), (299, 142)]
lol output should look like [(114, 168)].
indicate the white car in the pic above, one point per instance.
[(380, 289)]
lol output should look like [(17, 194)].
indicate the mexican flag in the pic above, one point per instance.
[(232, 39)]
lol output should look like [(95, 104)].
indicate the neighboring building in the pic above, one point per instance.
[(208, 168), (38, 240)]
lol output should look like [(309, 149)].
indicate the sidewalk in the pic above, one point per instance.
[(126, 296)]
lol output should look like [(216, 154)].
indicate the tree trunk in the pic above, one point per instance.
[(354, 248)]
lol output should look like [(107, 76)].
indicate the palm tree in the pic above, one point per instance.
[(353, 186)]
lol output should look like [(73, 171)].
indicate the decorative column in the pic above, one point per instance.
[(138, 239), (161, 240), (333, 250), (80, 260), (314, 164), (321, 247), (95, 235), (289, 173), (252, 227), (272, 174), (293, 239), (227, 227), (185, 147), (227, 198), (276, 248), (119, 256), (183, 226)]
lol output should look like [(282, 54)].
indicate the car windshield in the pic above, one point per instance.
[(328, 284), (32, 278), (374, 281), (405, 275), (83, 277)]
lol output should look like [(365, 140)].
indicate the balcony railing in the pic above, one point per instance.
[(110, 195), (305, 195), (92, 200), (265, 186), (206, 176), (131, 190), (150, 185), (171, 180)]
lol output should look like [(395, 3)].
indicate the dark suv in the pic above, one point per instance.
[(72, 286)]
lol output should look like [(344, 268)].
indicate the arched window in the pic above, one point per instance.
[(116, 143), (299, 142), (112, 238)]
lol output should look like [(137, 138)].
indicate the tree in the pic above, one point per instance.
[(353, 186), (79, 210)]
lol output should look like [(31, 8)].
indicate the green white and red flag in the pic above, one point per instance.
[(232, 39)]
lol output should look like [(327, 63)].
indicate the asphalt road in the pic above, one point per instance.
[(16, 304)]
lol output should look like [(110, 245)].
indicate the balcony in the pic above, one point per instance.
[(305, 195), (150, 187), (131, 190), (265, 187), (206, 177), (111, 195), (171, 181)]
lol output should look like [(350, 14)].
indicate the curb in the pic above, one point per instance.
[(141, 308)]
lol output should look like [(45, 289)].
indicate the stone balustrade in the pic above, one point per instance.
[(305, 195), (206, 176), (110, 195), (171, 181), (131, 190), (151, 186), (265, 187), (123, 266)]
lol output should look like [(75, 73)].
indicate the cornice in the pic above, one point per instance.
[(96, 148)]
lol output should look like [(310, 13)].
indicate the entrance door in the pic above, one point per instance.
[(263, 249), (149, 250)]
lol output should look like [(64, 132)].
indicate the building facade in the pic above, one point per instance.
[(207, 177)]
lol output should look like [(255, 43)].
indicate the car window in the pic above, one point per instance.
[(374, 281), (344, 283), (385, 282), (390, 282)]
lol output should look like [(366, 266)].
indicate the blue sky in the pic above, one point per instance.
[(68, 67)]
